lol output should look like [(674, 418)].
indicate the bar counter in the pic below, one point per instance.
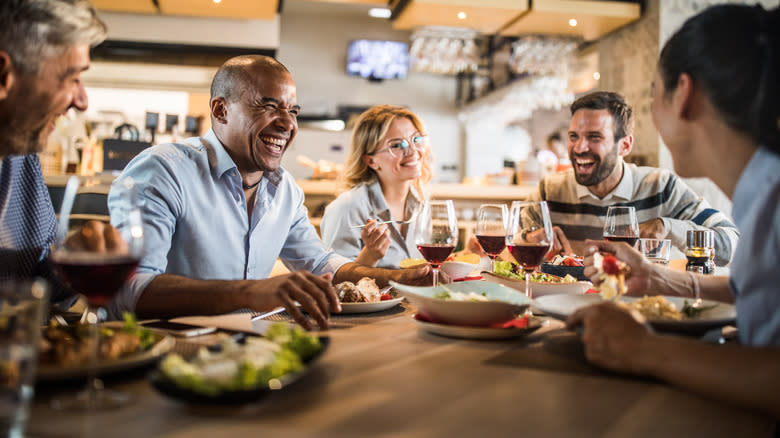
[(384, 376)]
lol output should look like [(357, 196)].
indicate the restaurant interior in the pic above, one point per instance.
[(491, 80)]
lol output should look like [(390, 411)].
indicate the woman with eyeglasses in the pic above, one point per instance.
[(386, 170)]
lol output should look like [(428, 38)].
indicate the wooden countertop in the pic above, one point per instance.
[(383, 376)]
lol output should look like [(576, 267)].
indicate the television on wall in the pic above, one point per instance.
[(378, 60)]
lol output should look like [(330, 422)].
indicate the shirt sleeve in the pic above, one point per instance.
[(304, 250), (692, 212), (158, 193), (336, 227)]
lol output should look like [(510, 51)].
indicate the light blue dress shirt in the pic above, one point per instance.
[(356, 207), (755, 278), (196, 222)]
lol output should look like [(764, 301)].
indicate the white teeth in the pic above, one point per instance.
[(277, 141), (585, 162)]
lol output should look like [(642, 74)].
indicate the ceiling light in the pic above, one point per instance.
[(596, 75), (217, 1), (462, 15), (379, 12), (572, 22)]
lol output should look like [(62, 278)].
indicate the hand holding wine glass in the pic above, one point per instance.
[(491, 230), (95, 261), (529, 236), (436, 233), (621, 225)]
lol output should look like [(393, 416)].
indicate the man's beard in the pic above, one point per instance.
[(20, 142), (601, 169)]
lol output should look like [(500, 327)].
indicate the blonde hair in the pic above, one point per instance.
[(367, 136)]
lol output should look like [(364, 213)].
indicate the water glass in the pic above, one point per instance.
[(23, 306), (656, 250)]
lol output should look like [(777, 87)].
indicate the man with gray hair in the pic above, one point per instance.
[(44, 47)]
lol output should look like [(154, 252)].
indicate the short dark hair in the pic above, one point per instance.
[(232, 76), (553, 137), (614, 103), (731, 52)]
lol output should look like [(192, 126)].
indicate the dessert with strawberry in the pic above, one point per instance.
[(611, 275)]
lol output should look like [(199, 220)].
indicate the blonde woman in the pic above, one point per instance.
[(388, 166)]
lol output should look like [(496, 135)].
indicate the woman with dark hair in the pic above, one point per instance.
[(716, 105), (387, 167)]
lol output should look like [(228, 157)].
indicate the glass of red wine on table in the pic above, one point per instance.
[(436, 233), (491, 230), (97, 275), (529, 237), (621, 225)]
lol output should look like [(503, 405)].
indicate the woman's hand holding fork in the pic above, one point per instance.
[(376, 240)]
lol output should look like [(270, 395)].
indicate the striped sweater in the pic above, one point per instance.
[(654, 192)]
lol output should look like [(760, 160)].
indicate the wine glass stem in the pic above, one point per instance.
[(435, 277), (94, 385), (492, 263), (528, 311)]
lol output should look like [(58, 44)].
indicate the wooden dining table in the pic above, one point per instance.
[(382, 375)]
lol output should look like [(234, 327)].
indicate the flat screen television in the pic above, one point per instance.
[(377, 60)]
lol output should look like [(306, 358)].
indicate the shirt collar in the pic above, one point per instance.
[(624, 189), (380, 205)]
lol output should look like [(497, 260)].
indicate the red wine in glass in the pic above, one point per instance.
[(631, 240), (492, 245), (529, 255), (435, 254), (97, 276)]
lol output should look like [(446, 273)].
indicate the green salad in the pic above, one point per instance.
[(512, 270), (256, 363)]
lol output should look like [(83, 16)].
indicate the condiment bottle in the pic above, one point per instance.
[(700, 251)]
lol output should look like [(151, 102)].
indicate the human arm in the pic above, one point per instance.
[(376, 240), (173, 295), (646, 277), (615, 339), (353, 272)]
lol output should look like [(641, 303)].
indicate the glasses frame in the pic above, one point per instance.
[(405, 145)]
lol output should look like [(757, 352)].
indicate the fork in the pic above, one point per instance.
[(411, 218)]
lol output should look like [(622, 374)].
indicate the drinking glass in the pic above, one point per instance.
[(491, 230), (529, 236), (621, 225), (98, 276), (656, 250), (436, 233)]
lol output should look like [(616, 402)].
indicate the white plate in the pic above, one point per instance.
[(561, 306), (503, 303), (379, 306), (163, 345), (540, 289), (465, 332)]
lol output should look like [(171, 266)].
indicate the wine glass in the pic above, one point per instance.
[(491, 230), (529, 236), (436, 233), (98, 275), (621, 225)]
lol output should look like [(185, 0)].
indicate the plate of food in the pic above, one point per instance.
[(240, 370), (365, 297), (466, 303), (515, 328), (509, 274), (66, 349), (665, 313), (562, 266)]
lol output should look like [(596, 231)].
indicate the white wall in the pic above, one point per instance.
[(314, 48)]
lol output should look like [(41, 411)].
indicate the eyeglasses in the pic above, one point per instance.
[(401, 147)]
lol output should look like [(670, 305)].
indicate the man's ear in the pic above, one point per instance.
[(625, 145), (219, 110), (682, 99), (7, 75)]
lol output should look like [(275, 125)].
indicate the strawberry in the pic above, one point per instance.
[(385, 297), (610, 265), (570, 261)]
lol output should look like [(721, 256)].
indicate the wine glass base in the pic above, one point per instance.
[(91, 400)]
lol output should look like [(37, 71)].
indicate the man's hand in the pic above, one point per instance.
[(653, 229), (376, 240), (315, 294), (613, 337), (638, 280), (96, 236), (560, 242), (421, 276)]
